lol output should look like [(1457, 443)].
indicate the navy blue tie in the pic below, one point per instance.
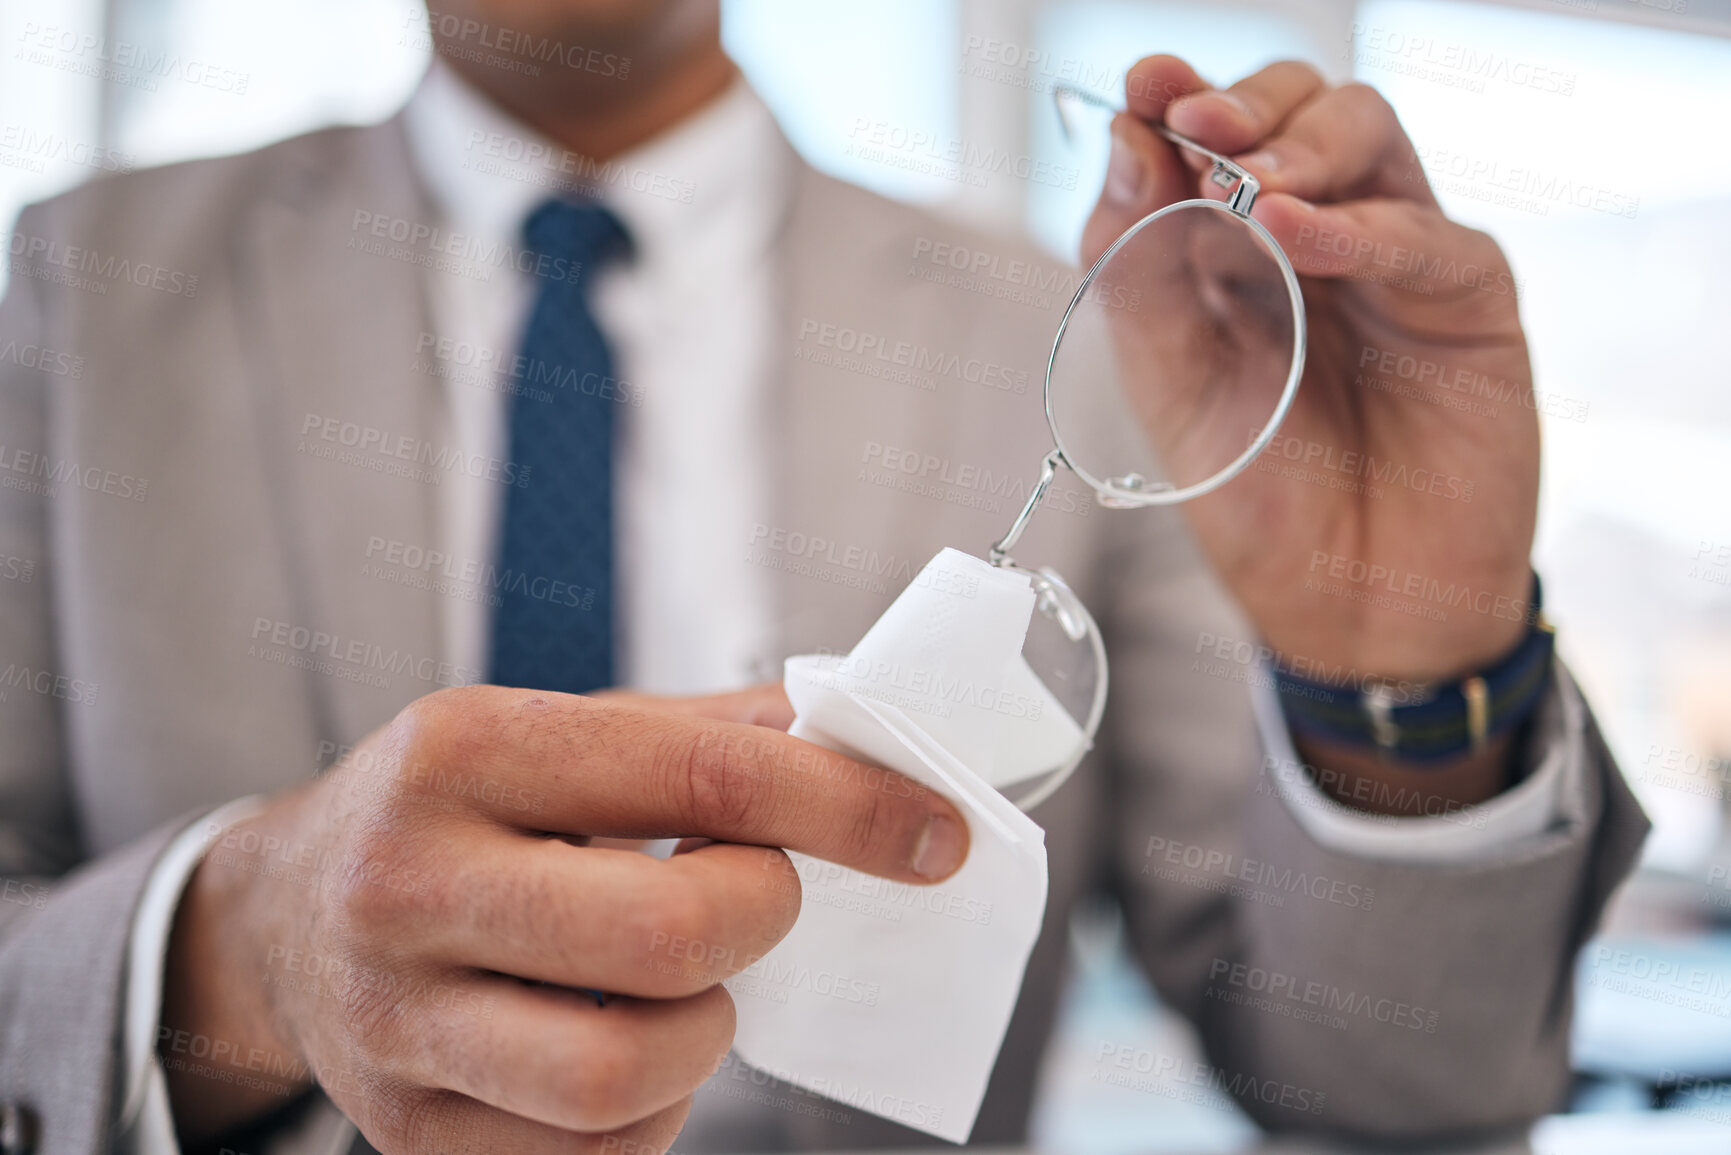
[(553, 628)]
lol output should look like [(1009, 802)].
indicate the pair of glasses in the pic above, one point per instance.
[(1176, 361)]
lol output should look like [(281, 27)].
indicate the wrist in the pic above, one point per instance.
[(1432, 724), (1421, 632), (224, 1057)]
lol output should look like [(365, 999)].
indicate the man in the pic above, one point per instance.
[(432, 418)]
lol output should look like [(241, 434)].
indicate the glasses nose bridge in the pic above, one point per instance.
[(1000, 551)]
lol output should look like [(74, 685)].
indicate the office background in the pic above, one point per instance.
[(1587, 135)]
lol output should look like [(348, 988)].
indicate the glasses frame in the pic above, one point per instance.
[(1055, 598)]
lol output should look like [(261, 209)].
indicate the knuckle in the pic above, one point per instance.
[(1303, 70), (442, 727), (722, 787), (363, 904), (1367, 101), (871, 819)]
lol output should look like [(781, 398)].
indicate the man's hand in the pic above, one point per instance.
[(1397, 294), (422, 930)]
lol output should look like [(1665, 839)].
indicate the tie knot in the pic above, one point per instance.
[(579, 232)]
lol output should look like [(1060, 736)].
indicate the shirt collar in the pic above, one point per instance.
[(712, 187)]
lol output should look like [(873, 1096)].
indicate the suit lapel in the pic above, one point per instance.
[(345, 420)]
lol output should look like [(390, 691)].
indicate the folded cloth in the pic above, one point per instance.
[(889, 997)]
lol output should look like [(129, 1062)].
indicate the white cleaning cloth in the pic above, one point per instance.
[(894, 998)]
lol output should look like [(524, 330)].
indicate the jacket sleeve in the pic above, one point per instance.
[(38, 834), (64, 923), (1356, 995)]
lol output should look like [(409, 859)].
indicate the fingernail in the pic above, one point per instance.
[(1124, 173), (1264, 160), (940, 849), (1237, 103)]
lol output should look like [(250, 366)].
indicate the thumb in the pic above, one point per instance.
[(1144, 173)]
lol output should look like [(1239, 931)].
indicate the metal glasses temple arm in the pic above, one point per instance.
[(1225, 173)]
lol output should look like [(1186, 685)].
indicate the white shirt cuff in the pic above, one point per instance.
[(146, 1125), (1446, 832)]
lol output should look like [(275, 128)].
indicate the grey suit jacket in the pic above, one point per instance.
[(164, 527)]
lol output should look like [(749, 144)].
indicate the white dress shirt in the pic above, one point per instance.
[(690, 323), (689, 320)]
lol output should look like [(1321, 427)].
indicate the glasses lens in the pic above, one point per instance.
[(1065, 664), (1177, 357)]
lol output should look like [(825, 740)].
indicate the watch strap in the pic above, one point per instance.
[(1432, 723)]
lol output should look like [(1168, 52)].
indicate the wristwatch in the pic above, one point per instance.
[(1430, 722)]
